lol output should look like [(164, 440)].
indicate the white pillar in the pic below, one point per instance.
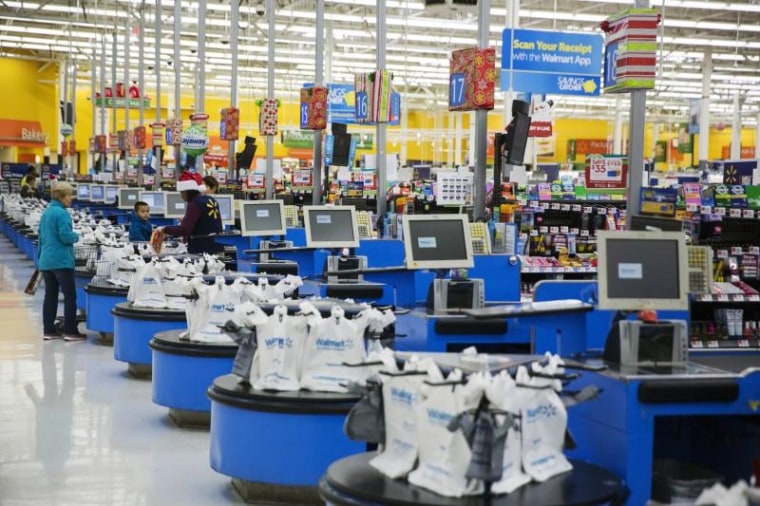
[(512, 21), (736, 130), (704, 107)]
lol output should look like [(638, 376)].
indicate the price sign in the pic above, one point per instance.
[(565, 207), (720, 211), (543, 230), (706, 210), (533, 204), (588, 210), (754, 298), (544, 205), (723, 297), (713, 344), (555, 207), (456, 89), (584, 233), (574, 231), (736, 250), (577, 207), (754, 250), (697, 344), (722, 253), (554, 230), (564, 230), (749, 214), (743, 343), (691, 208), (361, 106), (606, 171), (735, 213), (534, 233)]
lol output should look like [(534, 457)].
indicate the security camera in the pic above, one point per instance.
[(260, 11), (193, 51)]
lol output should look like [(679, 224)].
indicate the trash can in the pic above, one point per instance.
[(674, 480)]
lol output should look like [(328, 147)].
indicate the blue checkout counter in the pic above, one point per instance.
[(183, 371), (101, 297)]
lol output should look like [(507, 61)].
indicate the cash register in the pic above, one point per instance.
[(266, 219)]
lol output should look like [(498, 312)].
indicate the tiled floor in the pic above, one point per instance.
[(76, 430)]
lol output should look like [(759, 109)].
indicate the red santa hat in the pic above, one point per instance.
[(189, 181)]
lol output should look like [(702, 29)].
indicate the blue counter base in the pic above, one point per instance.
[(98, 311), (133, 330), (286, 439), (183, 372), (188, 419)]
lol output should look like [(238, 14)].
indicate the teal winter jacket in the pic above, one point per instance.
[(56, 238)]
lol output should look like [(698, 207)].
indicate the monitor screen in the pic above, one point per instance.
[(175, 205), (156, 200), (97, 193), (262, 218), (437, 241), (83, 191), (331, 227), (128, 197), (111, 192), (226, 208), (642, 270), (655, 224)]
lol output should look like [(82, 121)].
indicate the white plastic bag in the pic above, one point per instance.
[(333, 342), (125, 268), (280, 339), (147, 290), (400, 397), (503, 394), (445, 455), (544, 422), (221, 304), (196, 310)]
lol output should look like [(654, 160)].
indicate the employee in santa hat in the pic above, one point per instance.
[(202, 216)]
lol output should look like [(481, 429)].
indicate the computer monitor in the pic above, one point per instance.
[(437, 241), (655, 224), (262, 218), (642, 270), (226, 208), (156, 200), (331, 227), (97, 193), (111, 192), (175, 205), (83, 191), (128, 197)]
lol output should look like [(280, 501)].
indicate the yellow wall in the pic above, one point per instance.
[(31, 95)]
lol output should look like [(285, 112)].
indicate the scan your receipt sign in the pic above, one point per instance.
[(558, 63)]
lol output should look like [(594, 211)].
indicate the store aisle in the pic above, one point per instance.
[(76, 430)]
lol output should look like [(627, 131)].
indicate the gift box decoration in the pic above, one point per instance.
[(230, 127), (72, 146), (361, 101), (139, 137), (113, 143), (268, 117), (380, 90), (630, 47), (157, 130), (175, 131), (100, 144), (472, 79), (314, 108), (64, 149), (199, 119), (125, 143)]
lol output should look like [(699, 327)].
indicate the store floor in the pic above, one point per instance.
[(76, 430)]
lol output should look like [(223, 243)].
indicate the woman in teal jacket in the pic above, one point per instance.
[(56, 262)]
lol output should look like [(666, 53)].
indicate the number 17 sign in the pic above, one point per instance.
[(606, 171), (472, 74)]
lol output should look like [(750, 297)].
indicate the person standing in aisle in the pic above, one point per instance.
[(211, 184), (29, 188), (31, 172), (56, 263), (202, 217)]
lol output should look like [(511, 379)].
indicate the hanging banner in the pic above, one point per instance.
[(314, 108), (268, 117), (630, 50), (472, 77), (229, 129)]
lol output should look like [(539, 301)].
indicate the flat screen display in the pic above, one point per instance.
[(656, 343), (642, 270), (437, 242), (83, 191), (175, 206), (226, 208), (97, 193), (262, 218), (156, 201), (111, 192), (128, 197), (331, 227)]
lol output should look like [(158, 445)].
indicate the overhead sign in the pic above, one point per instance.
[(558, 63)]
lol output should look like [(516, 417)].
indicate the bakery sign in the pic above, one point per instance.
[(22, 133)]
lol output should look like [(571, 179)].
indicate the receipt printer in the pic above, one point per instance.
[(343, 263), (264, 257), (640, 343)]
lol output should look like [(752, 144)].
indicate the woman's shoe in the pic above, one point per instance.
[(75, 337), (50, 337)]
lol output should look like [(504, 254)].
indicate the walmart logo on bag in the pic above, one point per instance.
[(401, 395), (149, 281), (439, 417), (547, 410), (278, 342), (325, 343)]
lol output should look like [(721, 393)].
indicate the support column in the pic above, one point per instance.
[(617, 136), (270, 95), (512, 21), (113, 90), (736, 129), (103, 126), (235, 21), (457, 139), (636, 141), (158, 60), (404, 134), (319, 51), (94, 116), (177, 79), (380, 129), (704, 106), (200, 104)]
